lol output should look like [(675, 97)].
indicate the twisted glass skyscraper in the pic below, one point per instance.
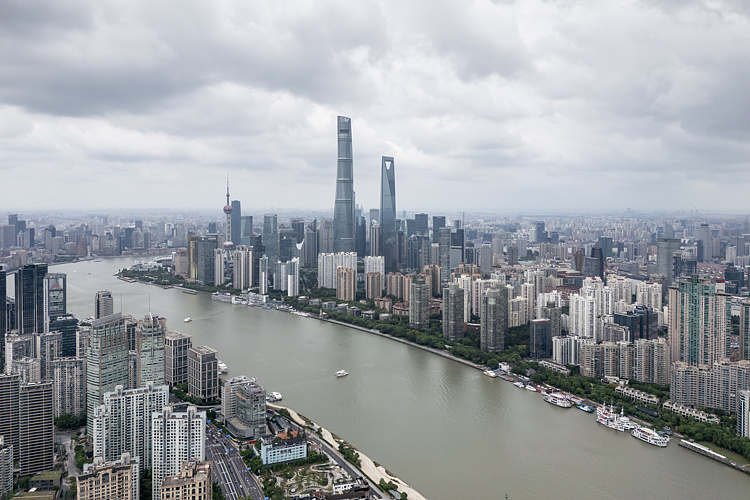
[(343, 210), (388, 233)]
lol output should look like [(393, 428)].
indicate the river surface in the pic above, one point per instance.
[(444, 428)]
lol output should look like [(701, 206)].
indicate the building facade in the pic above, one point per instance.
[(176, 346), (203, 374), (106, 360), (176, 437)]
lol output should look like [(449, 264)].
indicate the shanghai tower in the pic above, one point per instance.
[(343, 210), (388, 233)]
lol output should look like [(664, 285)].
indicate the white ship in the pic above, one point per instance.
[(490, 373), (558, 399), (518, 384), (342, 373), (531, 388), (274, 396), (650, 436), (223, 368), (187, 320), (614, 421)]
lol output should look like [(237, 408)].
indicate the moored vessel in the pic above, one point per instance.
[(558, 399), (585, 407), (650, 436)]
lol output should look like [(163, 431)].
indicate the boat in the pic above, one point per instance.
[(223, 368), (558, 399), (650, 436), (614, 421), (187, 320), (274, 396), (191, 292), (585, 407), (531, 388), (518, 384), (342, 373), (490, 373)]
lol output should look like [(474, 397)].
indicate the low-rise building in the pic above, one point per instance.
[(194, 482), (274, 450), (686, 411), (116, 479), (636, 395)]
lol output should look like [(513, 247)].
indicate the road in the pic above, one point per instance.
[(229, 469)]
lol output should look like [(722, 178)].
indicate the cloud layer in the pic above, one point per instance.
[(526, 105)]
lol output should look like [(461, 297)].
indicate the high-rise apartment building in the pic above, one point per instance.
[(329, 263), (30, 298), (9, 421), (388, 228), (494, 319), (745, 330), (48, 348), (243, 267), (346, 283), (373, 285), (176, 346), (203, 379), (444, 253), (119, 479), (122, 424), (3, 298), (453, 312), (263, 274), (419, 304), (343, 210), (36, 429), (149, 345), (699, 322), (176, 437), (194, 482), (6, 469), (103, 304), (68, 377), (106, 360)]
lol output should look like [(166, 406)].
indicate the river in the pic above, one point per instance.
[(444, 428)]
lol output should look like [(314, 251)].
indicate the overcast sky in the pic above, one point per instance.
[(527, 105)]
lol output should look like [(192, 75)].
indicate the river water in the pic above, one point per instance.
[(444, 428)]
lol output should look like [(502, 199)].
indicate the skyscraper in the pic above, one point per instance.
[(106, 360), (453, 312), (388, 229), (205, 274), (176, 346), (176, 437), (665, 249), (30, 298), (438, 221), (69, 385), (271, 236), (103, 304), (36, 432), (246, 229), (228, 209), (444, 253), (54, 297), (3, 295), (149, 344), (236, 220), (419, 303), (494, 319), (9, 391), (343, 210)]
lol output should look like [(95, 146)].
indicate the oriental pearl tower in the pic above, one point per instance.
[(228, 245)]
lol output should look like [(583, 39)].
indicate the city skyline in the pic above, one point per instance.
[(504, 107)]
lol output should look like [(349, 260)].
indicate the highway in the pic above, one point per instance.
[(229, 468)]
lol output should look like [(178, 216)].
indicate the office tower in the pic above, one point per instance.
[(292, 285), (704, 236), (325, 236), (48, 348), (212, 228), (444, 253), (3, 298), (699, 322), (419, 304), (263, 275), (246, 229), (539, 233), (287, 243), (453, 312), (106, 360), (540, 343), (373, 285), (236, 222), (122, 424), (554, 315), (176, 437), (103, 304), (193, 258), (6, 469), (68, 377), (375, 238), (205, 271), (36, 429), (494, 319), (118, 479), (271, 236), (203, 379), (665, 249), (149, 345), (458, 248), (343, 210), (243, 267), (360, 237), (311, 244), (9, 392), (421, 224), (176, 346), (30, 298), (194, 482), (243, 403), (346, 283), (388, 228), (745, 330), (642, 322), (219, 267), (54, 297)]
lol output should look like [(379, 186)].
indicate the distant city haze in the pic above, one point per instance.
[(501, 106)]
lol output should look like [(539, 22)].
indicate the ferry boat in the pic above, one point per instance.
[(614, 421), (585, 407), (187, 320), (650, 436), (531, 388), (490, 373), (518, 384), (342, 373), (558, 399), (223, 368)]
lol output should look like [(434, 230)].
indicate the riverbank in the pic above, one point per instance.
[(375, 473)]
